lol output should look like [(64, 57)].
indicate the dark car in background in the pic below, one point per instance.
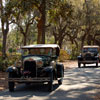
[(89, 55), (38, 65)]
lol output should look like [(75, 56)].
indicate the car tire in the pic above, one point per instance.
[(11, 86), (61, 78), (50, 83), (97, 64), (79, 65)]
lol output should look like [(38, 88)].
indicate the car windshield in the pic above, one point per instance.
[(38, 51), (93, 50)]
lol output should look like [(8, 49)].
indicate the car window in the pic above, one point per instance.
[(25, 52), (54, 52), (94, 50), (39, 51)]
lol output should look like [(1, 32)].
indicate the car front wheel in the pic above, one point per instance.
[(61, 78), (97, 64), (50, 83), (11, 86), (79, 65)]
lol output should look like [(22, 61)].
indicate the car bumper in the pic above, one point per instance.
[(88, 62), (42, 79)]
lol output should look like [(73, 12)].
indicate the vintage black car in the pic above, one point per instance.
[(38, 64), (89, 55)]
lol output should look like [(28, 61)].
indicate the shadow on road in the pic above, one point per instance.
[(36, 87), (40, 93), (78, 84), (23, 90)]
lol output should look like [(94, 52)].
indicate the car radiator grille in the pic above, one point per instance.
[(30, 66), (88, 57)]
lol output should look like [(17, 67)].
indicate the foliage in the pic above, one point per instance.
[(9, 61), (0, 47), (12, 58), (74, 53), (11, 50), (72, 22), (63, 56), (60, 17)]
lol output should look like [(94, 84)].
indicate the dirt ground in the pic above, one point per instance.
[(70, 64), (3, 81)]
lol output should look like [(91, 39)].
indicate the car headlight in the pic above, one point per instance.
[(39, 63), (53, 63)]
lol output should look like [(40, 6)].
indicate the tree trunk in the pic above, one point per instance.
[(5, 30), (76, 44), (4, 45), (39, 26), (83, 40), (89, 40), (41, 23), (44, 20), (25, 39), (60, 42), (55, 41), (55, 37)]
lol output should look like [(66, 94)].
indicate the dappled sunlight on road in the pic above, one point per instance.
[(78, 84)]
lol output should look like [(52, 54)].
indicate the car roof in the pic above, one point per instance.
[(94, 46), (40, 46)]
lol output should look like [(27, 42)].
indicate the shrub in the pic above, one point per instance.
[(63, 55), (13, 57), (11, 50), (3, 64), (74, 54), (10, 60)]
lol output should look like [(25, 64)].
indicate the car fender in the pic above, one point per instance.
[(79, 57), (59, 67), (11, 69), (48, 69), (97, 57)]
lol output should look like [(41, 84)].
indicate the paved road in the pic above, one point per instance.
[(78, 84)]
